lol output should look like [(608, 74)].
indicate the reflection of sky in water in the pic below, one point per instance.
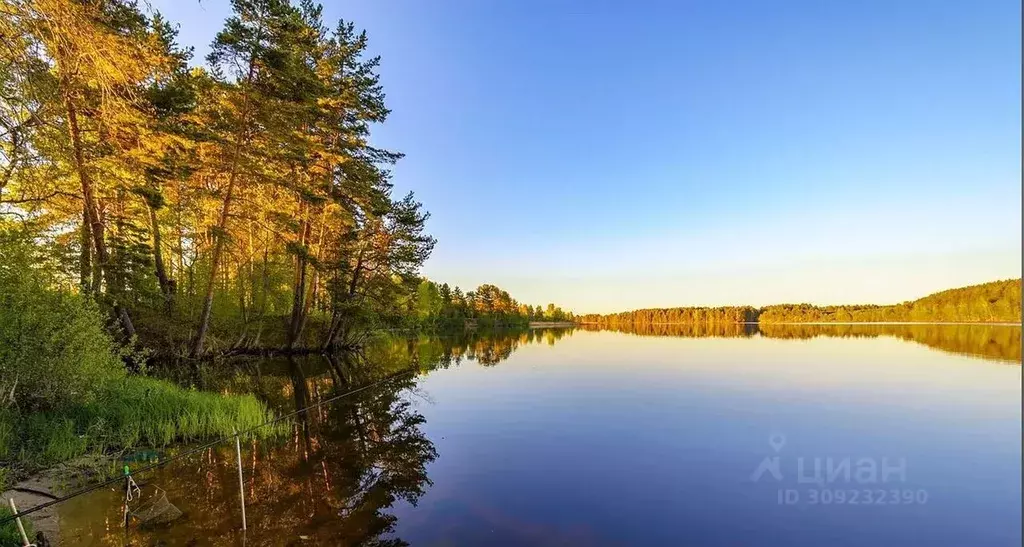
[(611, 439), (605, 438)]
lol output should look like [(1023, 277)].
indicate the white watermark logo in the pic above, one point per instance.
[(832, 480), (771, 464)]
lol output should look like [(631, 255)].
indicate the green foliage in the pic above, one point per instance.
[(63, 386), (9, 535), (554, 313), (998, 301), (130, 413), (214, 207), (731, 314), (53, 347), (428, 301), (488, 305), (8, 419)]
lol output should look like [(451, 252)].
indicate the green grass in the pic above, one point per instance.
[(128, 413), (9, 535)]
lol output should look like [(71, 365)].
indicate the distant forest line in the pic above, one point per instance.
[(980, 340), (994, 302), (491, 346)]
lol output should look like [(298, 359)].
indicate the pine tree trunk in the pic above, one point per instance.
[(298, 303), (166, 284), (218, 249), (299, 286), (311, 294), (88, 197), (265, 292), (241, 139), (337, 321), (92, 214), (126, 320), (85, 264)]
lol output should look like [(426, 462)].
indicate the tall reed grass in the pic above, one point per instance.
[(124, 414)]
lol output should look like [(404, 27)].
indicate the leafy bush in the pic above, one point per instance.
[(71, 393), (53, 348)]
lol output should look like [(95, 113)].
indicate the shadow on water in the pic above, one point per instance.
[(337, 470)]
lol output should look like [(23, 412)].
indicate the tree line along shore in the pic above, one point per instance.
[(994, 302)]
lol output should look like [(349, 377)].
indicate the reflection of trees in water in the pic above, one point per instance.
[(990, 341), (332, 478), (343, 464), (427, 352), (350, 460), (683, 330)]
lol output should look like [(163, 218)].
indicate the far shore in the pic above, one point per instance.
[(992, 323), (547, 324)]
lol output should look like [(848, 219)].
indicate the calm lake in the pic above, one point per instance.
[(670, 435)]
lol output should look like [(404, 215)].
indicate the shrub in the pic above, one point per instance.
[(53, 348), (71, 393)]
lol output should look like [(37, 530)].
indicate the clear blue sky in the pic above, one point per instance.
[(616, 155)]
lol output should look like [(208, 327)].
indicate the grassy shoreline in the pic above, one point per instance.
[(130, 413)]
